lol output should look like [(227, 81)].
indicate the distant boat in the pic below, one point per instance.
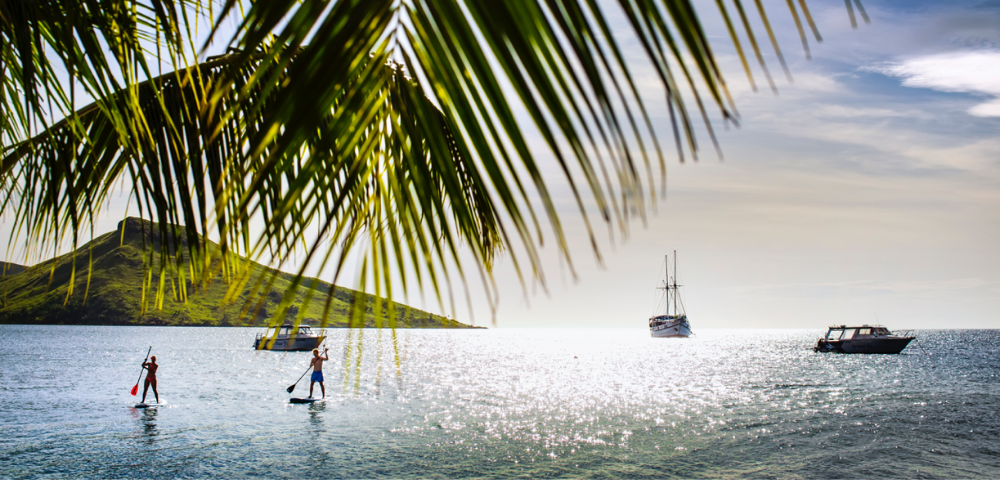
[(671, 324), (288, 338), (863, 339)]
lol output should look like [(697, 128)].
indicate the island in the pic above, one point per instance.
[(114, 294)]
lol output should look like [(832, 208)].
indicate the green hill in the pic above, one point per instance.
[(10, 268), (37, 294)]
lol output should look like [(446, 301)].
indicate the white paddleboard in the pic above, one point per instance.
[(305, 400), (147, 405)]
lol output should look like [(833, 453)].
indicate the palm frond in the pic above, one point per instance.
[(54, 54), (400, 179), (363, 123)]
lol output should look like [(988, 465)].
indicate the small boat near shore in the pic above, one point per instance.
[(288, 338), (863, 339), (671, 324)]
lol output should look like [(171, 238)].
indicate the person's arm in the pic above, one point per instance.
[(326, 354)]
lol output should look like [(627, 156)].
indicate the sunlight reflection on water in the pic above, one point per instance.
[(560, 389)]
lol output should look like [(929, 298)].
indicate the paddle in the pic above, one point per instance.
[(135, 389), (289, 389)]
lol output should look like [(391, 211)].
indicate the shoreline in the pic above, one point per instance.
[(463, 327)]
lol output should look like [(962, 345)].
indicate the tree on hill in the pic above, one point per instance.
[(381, 124)]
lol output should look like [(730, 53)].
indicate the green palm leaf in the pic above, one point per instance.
[(380, 125)]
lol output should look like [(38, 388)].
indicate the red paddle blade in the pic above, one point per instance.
[(135, 389)]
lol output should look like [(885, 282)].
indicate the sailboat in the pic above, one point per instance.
[(672, 323)]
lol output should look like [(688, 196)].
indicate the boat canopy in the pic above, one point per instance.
[(288, 329), (846, 333)]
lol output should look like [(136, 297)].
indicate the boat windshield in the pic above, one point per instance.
[(300, 330), (848, 334), (290, 330), (834, 334)]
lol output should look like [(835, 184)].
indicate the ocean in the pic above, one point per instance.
[(532, 403)]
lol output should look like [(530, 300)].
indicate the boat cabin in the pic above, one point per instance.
[(849, 333), (288, 338), (289, 330)]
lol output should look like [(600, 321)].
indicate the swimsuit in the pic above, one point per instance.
[(317, 377)]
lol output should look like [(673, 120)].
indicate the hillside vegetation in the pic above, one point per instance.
[(38, 294)]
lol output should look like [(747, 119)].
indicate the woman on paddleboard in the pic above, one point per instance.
[(150, 367), (317, 376)]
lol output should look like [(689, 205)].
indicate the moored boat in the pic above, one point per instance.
[(673, 323), (863, 339), (288, 338)]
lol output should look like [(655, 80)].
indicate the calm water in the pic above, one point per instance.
[(499, 403)]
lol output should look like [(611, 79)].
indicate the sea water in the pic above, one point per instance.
[(498, 403)]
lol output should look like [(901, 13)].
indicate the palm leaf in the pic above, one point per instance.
[(400, 177), (379, 125)]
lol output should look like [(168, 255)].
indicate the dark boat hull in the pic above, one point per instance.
[(864, 345), (299, 344)]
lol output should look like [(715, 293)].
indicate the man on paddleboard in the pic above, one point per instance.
[(317, 375), (150, 367)]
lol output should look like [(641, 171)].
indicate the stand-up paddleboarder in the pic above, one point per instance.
[(317, 375), (150, 367)]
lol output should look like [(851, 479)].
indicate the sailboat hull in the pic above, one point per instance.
[(667, 326)]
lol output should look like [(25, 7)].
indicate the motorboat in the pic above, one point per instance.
[(673, 322), (863, 339), (288, 338)]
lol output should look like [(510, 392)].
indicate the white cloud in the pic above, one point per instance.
[(988, 109), (975, 72), (972, 285), (851, 112)]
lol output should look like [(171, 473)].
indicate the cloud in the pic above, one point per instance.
[(988, 109), (976, 72), (952, 286), (852, 112)]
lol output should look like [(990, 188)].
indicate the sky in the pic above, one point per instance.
[(864, 191)]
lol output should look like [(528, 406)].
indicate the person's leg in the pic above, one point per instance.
[(311, 385), (155, 393), (145, 388), (323, 389)]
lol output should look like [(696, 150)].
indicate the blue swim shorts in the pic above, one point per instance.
[(316, 377)]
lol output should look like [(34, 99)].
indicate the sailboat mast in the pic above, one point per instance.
[(675, 282), (666, 268)]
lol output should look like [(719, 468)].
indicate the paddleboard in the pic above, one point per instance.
[(305, 400), (147, 405)]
